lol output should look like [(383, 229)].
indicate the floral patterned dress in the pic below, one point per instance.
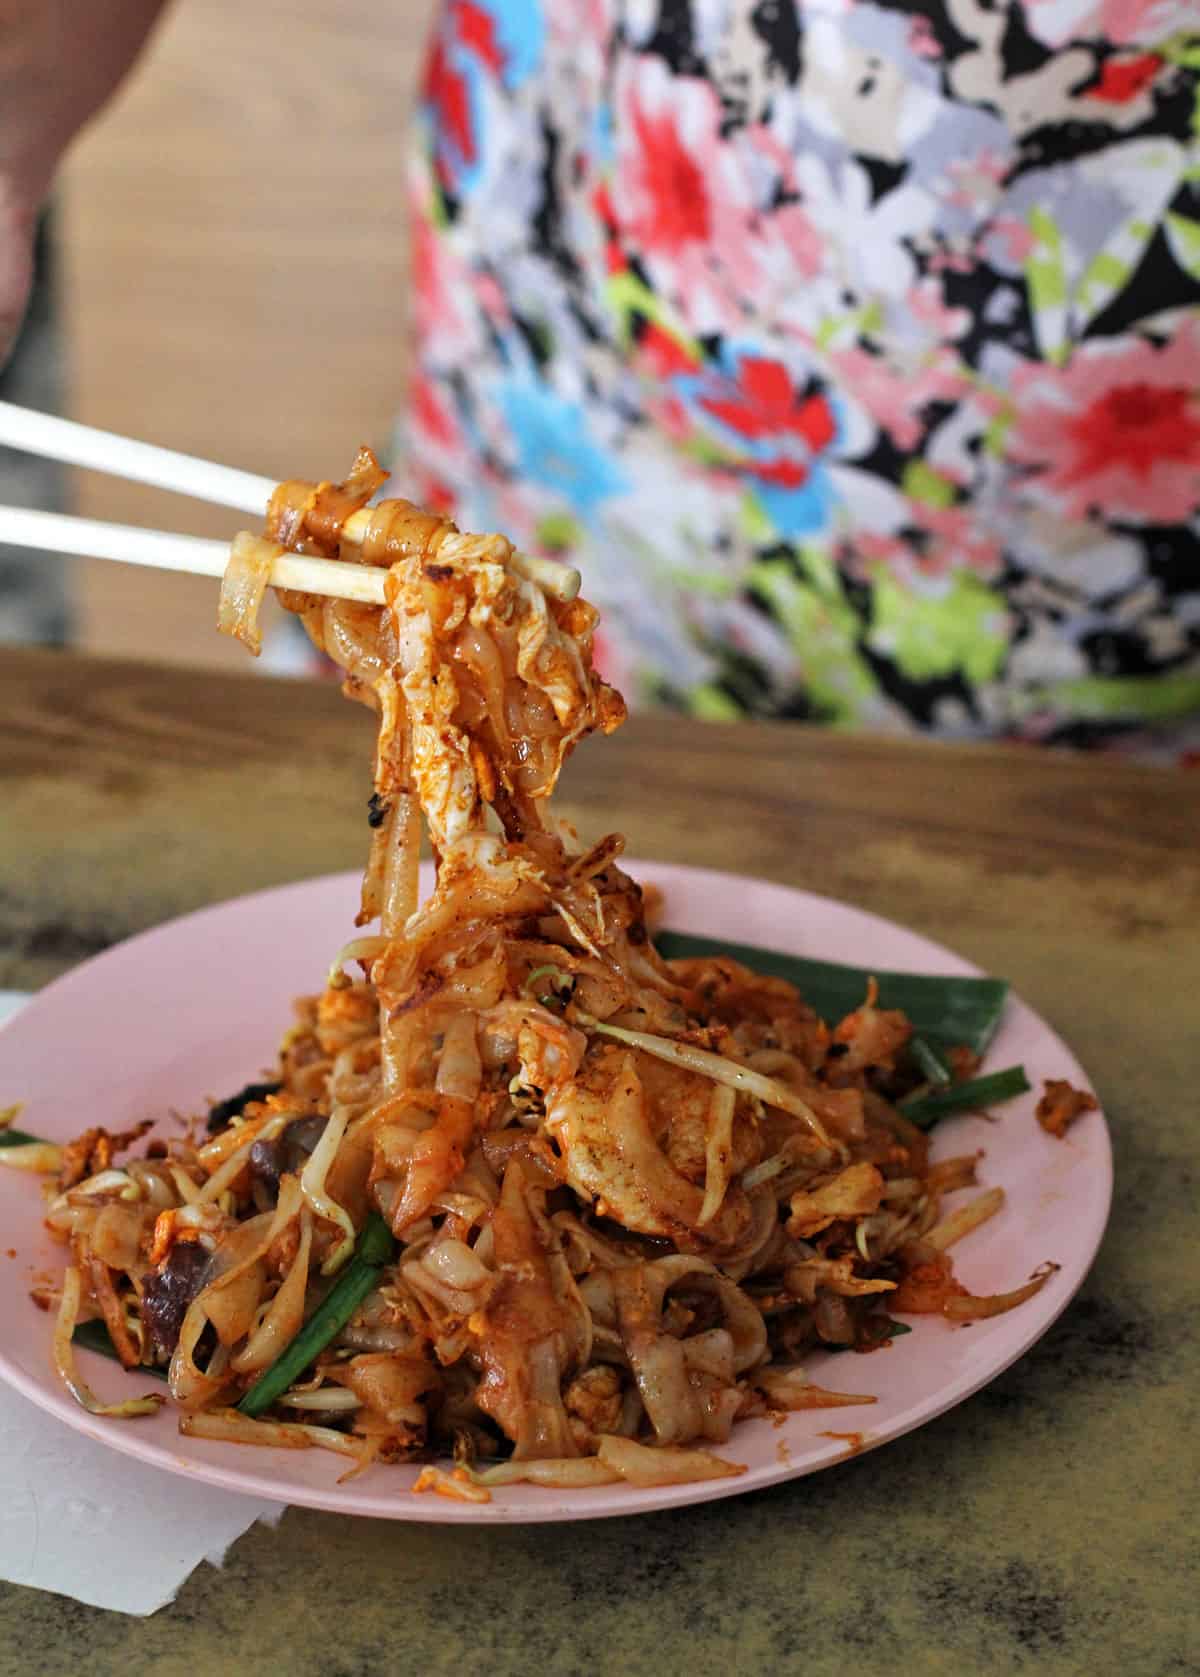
[(853, 348)]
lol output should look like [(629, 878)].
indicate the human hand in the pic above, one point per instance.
[(16, 265), (59, 61)]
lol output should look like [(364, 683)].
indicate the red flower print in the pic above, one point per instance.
[(1122, 79), (614, 256), (445, 90), (1117, 429), (476, 29), (464, 39), (680, 194), (1136, 425), (675, 209), (431, 412), (765, 404), (663, 355), (432, 492), (775, 433)]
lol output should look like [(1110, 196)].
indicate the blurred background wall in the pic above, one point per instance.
[(224, 272)]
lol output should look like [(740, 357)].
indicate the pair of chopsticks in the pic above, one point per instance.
[(103, 451)]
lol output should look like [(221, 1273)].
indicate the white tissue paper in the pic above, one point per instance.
[(85, 1522)]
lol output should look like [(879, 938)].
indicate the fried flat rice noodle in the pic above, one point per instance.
[(520, 1191), (242, 589)]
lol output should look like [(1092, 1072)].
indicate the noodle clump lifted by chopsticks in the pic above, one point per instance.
[(522, 1193)]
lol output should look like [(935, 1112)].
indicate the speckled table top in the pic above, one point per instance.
[(1047, 1525)]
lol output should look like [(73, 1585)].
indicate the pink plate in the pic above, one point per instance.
[(189, 1011)]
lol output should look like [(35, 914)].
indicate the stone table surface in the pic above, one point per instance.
[(1047, 1525)]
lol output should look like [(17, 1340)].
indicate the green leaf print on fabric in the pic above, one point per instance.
[(436, 208), (710, 704), (1069, 289), (704, 451), (962, 627), (1046, 277), (1111, 270), (558, 532), (712, 584), (627, 295), (844, 330), (821, 627), (1155, 698), (1184, 51), (996, 433), (922, 483), (1183, 236), (753, 521)]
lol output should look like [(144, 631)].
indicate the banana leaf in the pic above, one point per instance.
[(948, 1012)]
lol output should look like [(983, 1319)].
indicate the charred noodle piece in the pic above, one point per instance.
[(374, 1249), (978, 1092), (945, 1011)]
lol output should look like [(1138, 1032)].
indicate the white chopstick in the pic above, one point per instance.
[(104, 451), (57, 532)]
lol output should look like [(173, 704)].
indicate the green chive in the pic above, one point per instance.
[(374, 1249), (20, 1138), (972, 1096), (947, 1012)]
